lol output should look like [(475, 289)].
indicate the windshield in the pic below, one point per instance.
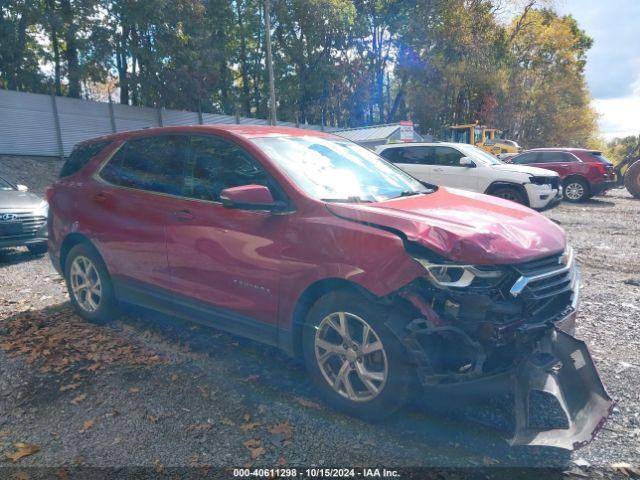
[(479, 155), (338, 170), (4, 185)]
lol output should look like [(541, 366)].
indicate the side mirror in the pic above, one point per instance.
[(22, 188), (250, 197), (467, 162)]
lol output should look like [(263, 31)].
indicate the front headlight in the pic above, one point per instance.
[(451, 275), (42, 210)]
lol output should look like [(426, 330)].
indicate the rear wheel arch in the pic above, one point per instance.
[(580, 178), (71, 241), (311, 295)]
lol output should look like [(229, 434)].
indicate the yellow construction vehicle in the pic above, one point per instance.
[(489, 139)]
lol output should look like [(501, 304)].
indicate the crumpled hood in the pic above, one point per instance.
[(463, 226), (538, 172)]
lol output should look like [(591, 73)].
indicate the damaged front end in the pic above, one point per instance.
[(509, 327)]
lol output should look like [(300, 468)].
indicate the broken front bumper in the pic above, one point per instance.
[(561, 366)]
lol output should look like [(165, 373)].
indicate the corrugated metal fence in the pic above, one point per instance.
[(36, 124)]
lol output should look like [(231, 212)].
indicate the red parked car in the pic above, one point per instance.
[(316, 245), (584, 173)]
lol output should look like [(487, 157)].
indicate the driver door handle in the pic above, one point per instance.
[(183, 215)]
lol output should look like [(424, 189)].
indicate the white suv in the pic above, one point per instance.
[(468, 167)]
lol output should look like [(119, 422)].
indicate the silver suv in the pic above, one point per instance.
[(23, 218)]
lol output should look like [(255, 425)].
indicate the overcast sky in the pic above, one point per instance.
[(613, 63)]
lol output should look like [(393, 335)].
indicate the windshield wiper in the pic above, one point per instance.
[(411, 193), (346, 200)]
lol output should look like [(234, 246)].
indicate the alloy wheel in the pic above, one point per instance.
[(86, 285), (351, 356), (574, 191)]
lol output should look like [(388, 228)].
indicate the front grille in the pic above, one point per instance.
[(25, 226), (550, 294)]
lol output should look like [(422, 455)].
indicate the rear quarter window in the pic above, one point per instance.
[(80, 156)]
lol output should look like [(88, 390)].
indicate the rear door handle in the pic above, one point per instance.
[(183, 215), (564, 165), (100, 197)]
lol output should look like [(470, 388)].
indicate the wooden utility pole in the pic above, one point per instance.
[(272, 88)]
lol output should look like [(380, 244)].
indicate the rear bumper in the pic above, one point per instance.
[(599, 188)]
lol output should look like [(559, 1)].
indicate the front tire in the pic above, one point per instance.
[(355, 361), (509, 193), (576, 190), (89, 285)]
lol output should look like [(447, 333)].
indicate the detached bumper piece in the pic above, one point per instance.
[(562, 367)]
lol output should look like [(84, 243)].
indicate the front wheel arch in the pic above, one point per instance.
[(516, 186), (310, 295)]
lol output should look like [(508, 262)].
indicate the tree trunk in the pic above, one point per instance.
[(71, 50)]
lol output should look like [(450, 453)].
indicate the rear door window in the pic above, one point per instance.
[(154, 164), (525, 158), (417, 155), (215, 164), (555, 157), (80, 156)]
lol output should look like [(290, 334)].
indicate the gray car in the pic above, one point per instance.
[(23, 218)]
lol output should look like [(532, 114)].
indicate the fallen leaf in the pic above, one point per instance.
[(308, 403), (255, 448), (22, 475), (252, 443), (71, 386), (153, 418), (159, 466), (22, 450), (79, 398), (87, 425), (283, 430), (199, 427), (174, 377), (245, 427), (257, 452), (134, 390)]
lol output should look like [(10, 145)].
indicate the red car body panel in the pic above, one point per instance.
[(599, 176), (258, 264)]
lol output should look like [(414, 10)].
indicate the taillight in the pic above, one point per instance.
[(602, 169), (49, 192)]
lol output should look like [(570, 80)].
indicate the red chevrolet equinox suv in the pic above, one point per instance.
[(584, 173), (303, 240)]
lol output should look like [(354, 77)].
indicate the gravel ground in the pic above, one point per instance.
[(158, 392)]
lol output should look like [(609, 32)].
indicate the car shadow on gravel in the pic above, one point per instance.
[(200, 372), (15, 256), (458, 434)]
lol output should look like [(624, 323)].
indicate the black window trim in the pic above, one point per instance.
[(100, 179)]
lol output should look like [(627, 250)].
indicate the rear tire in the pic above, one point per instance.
[(37, 248), (632, 179), (576, 190), (371, 378), (509, 193), (89, 285)]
